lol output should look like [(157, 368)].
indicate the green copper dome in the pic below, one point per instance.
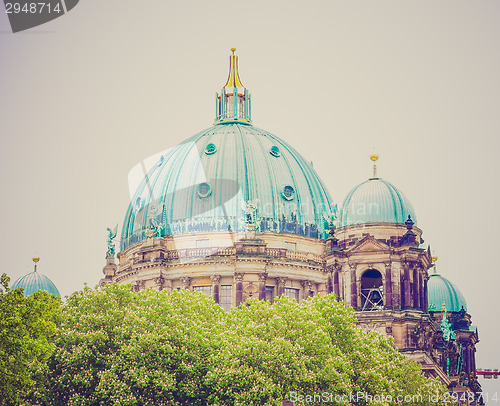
[(440, 290), (227, 177), (34, 282), (375, 201), (224, 177)]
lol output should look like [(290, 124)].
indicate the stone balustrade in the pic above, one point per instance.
[(198, 253)]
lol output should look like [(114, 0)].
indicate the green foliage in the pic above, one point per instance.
[(26, 327), (117, 347)]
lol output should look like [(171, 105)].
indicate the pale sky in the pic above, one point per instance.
[(86, 97)]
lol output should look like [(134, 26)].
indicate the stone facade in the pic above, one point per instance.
[(375, 269)]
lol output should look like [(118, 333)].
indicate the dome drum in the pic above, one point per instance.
[(390, 234)]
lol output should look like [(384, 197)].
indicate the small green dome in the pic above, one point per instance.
[(375, 201), (34, 282), (222, 176), (439, 290)]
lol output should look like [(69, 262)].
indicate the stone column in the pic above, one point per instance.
[(336, 285), (388, 286), (329, 282), (416, 287), (262, 286), (281, 285), (238, 282), (396, 285), (168, 285), (425, 294), (215, 287), (354, 290), (422, 293), (159, 282), (138, 286), (306, 289), (467, 358), (186, 282), (406, 283)]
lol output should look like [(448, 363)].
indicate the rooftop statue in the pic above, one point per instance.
[(111, 247), (249, 208)]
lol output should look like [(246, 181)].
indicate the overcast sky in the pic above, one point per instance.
[(89, 95)]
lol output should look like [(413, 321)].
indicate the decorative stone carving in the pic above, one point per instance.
[(185, 282), (215, 279), (263, 277), (281, 281), (238, 276), (138, 285), (159, 282), (307, 285)]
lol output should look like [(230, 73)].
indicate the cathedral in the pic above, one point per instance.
[(236, 213)]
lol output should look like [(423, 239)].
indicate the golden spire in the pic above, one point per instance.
[(444, 307), (374, 159), (234, 78)]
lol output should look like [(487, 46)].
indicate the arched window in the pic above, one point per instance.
[(372, 291)]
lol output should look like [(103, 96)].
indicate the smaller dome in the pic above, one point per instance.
[(439, 290), (375, 201), (34, 282)]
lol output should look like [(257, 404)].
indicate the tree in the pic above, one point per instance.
[(27, 325), (119, 347)]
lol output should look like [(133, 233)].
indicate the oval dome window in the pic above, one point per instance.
[(275, 151), (288, 193), (204, 190), (210, 149)]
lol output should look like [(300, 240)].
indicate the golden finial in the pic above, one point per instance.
[(444, 307), (234, 78), (374, 158), (434, 259), (35, 260)]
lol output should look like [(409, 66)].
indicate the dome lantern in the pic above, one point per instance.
[(234, 102)]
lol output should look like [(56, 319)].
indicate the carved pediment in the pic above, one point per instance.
[(369, 244)]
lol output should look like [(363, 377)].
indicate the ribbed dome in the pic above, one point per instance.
[(34, 282), (224, 176), (375, 201), (439, 290)]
